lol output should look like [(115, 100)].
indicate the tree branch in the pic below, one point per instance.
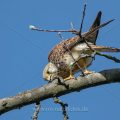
[(37, 110), (53, 89), (63, 105), (108, 57)]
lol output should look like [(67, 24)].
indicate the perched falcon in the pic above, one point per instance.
[(62, 63)]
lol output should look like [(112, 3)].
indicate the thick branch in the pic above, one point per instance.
[(53, 89)]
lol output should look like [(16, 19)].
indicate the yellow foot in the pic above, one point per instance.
[(86, 72), (70, 77)]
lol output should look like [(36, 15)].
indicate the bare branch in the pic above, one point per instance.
[(43, 30), (72, 30), (63, 105), (98, 27), (81, 26), (72, 26), (53, 89), (37, 109), (108, 57)]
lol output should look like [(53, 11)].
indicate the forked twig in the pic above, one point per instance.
[(43, 30), (63, 105), (72, 30), (37, 109)]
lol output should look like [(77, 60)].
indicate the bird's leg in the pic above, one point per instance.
[(71, 76), (86, 72), (84, 67)]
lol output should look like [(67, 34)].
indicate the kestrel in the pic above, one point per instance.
[(63, 64)]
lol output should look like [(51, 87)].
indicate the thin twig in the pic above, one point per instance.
[(81, 26), (109, 57), (93, 50), (98, 27), (43, 30), (63, 105), (72, 26), (37, 109)]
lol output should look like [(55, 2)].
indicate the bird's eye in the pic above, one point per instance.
[(48, 72)]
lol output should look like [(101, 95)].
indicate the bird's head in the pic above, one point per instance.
[(50, 71)]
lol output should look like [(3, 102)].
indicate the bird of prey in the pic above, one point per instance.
[(64, 56)]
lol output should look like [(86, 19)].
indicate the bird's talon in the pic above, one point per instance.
[(87, 72), (69, 78)]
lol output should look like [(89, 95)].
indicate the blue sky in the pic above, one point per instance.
[(23, 54)]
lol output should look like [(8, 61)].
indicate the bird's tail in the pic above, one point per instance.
[(93, 36), (104, 48)]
